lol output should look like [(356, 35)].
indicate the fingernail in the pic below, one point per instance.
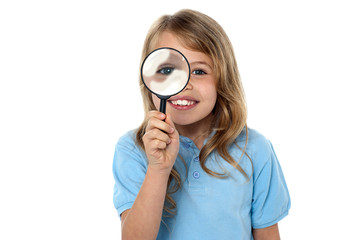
[(171, 130), (169, 141), (162, 115)]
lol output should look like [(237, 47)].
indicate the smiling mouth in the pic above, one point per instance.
[(183, 102)]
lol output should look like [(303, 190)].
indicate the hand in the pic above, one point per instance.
[(161, 142)]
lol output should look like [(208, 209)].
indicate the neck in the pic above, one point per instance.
[(198, 131)]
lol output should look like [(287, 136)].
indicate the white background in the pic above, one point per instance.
[(68, 91)]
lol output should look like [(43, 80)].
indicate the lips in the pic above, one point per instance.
[(182, 102)]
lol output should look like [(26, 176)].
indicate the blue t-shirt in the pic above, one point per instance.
[(208, 207)]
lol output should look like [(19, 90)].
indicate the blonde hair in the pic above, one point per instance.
[(199, 32)]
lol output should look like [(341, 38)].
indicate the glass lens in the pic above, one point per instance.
[(165, 72)]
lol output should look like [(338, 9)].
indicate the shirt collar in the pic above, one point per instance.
[(186, 140)]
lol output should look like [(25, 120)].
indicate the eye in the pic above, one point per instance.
[(165, 70), (199, 72)]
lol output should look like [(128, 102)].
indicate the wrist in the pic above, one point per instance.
[(161, 174)]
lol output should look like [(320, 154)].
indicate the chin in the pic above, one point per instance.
[(182, 120), (190, 117), (185, 119)]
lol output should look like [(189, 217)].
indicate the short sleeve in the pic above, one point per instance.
[(271, 200), (129, 168)]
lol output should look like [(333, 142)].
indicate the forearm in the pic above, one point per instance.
[(268, 233), (143, 219)]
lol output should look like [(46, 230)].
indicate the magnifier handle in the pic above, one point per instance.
[(163, 103)]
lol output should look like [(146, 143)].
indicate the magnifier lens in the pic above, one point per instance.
[(165, 72)]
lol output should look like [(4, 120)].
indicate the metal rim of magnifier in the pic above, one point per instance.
[(167, 96)]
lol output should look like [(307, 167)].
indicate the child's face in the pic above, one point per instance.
[(196, 102)]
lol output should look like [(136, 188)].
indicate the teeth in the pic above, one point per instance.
[(183, 102)]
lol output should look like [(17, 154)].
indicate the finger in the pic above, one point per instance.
[(155, 114), (154, 145), (156, 123), (159, 144), (156, 134), (170, 122)]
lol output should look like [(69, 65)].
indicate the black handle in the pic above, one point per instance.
[(163, 103)]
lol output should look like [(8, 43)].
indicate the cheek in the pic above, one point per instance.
[(213, 99), (211, 94)]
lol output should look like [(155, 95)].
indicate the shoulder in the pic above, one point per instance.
[(128, 139), (127, 148), (258, 147), (255, 140)]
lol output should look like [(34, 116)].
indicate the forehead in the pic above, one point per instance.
[(167, 39)]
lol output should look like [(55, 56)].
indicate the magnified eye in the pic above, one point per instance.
[(165, 70)]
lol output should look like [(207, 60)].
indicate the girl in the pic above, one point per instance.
[(198, 172)]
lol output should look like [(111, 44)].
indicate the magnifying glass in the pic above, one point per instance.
[(165, 72)]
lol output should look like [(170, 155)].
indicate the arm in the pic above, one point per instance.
[(268, 233), (142, 221), (270, 200), (161, 143)]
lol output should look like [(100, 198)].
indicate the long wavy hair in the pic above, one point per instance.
[(199, 32)]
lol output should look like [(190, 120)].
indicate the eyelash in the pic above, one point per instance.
[(198, 70)]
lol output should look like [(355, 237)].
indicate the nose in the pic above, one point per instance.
[(189, 85)]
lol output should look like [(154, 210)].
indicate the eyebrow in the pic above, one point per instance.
[(202, 63)]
